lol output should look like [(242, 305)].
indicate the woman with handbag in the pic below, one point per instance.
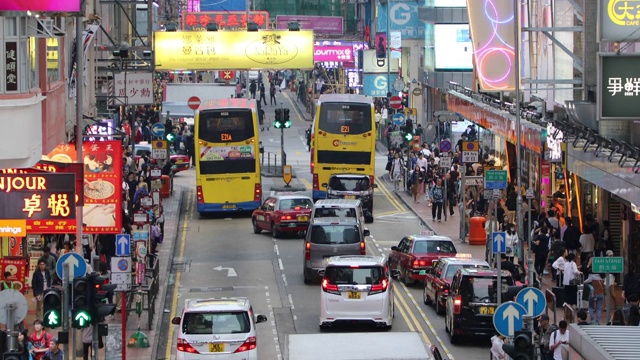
[(570, 272)]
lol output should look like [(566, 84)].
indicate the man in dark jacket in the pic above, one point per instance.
[(40, 281), (571, 237)]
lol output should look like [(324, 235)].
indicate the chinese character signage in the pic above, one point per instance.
[(40, 5), (102, 211), (619, 20), (134, 88), (619, 86), (222, 50), (333, 53), (17, 267), (325, 25), (228, 20), (11, 65), (37, 197)]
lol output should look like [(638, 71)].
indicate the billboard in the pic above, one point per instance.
[(619, 20), (227, 20), (371, 64), (134, 88), (333, 53), (619, 86), (323, 25), (492, 30), (453, 48), (403, 17), (233, 50), (47, 166), (376, 85), (40, 5)]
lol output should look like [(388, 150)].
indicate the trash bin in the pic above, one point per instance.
[(165, 191), (477, 234)]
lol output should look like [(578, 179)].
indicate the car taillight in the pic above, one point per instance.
[(199, 195), (371, 181), (307, 252), (363, 250), (249, 344), (316, 186), (457, 304), (257, 192), (184, 346), (286, 217), (379, 288), (419, 263), (330, 288)]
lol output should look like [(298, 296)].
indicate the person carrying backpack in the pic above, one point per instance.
[(437, 198), (544, 331)]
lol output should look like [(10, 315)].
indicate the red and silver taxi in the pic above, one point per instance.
[(416, 253), (437, 280), (283, 214)]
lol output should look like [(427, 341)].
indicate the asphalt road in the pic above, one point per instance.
[(221, 257)]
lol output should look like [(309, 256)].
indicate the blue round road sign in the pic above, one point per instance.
[(399, 119), (77, 266), (507, 318), (157, 130), (533, 300), (445, 146)]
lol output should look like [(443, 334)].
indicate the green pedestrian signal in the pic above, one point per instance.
[(52, 319), (81, 319), (52, 307)]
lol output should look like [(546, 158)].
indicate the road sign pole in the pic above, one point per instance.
[(499, 284), (66, 300), (463, 196)]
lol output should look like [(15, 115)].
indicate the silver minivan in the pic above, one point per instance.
[(327, 237), (342, 208)]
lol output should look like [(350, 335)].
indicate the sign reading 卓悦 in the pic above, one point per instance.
[(619, 86), (221, 50), (17, 227), (37, 196), (619, 20)]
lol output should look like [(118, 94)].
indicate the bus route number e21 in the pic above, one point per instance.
[(225, 137), (344, 129)]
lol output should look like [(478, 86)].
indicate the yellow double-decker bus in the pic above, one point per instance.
[(227, 149), (343, 139)]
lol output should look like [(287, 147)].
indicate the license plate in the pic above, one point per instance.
[(303, 218), (231, 206), (353, 295), (179, 161), (292, 225), (216, 347), (349, 196), (486, 310)]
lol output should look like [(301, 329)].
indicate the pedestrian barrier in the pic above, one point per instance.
[(569, 313), (551, 304), (272, 166), (148, 290)]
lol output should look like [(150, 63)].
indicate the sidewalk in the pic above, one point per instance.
[(451, 228)]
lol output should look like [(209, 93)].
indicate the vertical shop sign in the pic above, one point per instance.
[(11, 65)]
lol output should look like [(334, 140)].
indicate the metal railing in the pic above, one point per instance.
[(148, 290), (272, 165)]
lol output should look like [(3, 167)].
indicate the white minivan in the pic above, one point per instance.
[(357, 289), (217, 328)]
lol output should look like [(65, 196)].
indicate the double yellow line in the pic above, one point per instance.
[(183, 237), (393, 200)]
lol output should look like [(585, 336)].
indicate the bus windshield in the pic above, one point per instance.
[(345, 118), (221, 126)]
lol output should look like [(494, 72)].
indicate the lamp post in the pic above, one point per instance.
[(516, 63)]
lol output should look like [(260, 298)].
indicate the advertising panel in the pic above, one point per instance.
[(40, 5), (493, 39), (395, 42), (102, 211), (453, 48), (324, 25), (221, 50), (376, 85), (403, 17), (17, 267), (619, 86), (619, 20), (55, 167), (227, 153), (370, 64), (333, 53), (134, 88), (381, 45), (227, 20)]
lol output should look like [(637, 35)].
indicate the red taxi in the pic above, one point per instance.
[(283, 214), (183, 162), (437, 280), (416, 253)]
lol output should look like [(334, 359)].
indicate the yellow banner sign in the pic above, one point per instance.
[(221, 50), (16, 227)]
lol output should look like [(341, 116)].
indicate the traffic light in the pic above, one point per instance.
[(170, 136), (522, 347), (286, 119), (12, 355), (405, 99), (278, 122), (52, 307), (100, 291), (408, 136), (80, 316)]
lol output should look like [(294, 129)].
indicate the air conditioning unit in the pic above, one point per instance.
[(41, 28)]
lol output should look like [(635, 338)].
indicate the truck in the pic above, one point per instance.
[(356, 346)]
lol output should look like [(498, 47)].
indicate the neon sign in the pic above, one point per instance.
[(492, 30)]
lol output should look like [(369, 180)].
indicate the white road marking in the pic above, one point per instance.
[(275, 249), (291, 301), (280, 264)]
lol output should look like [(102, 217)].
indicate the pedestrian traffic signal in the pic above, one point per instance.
[(522, 346), (286, 119), (80, 315), (278, 123), (12, 355), (52, 307), (100, 291)]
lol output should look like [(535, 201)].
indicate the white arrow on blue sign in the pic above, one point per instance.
[(533, 300), (499, 242), (508, 318), (77, 266), (123, 245), (157, 130), (399, 119)]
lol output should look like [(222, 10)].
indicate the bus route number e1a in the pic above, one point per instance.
[(225, 137), (344, 129)]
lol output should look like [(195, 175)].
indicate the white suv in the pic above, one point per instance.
[(217, 328), (357, 289)]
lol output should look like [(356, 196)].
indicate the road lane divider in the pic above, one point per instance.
[(183, 241), (398, 307), (387, 194), (410, 318)]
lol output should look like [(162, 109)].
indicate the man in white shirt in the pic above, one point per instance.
[(558, 338), (422, 161), (425, 151)]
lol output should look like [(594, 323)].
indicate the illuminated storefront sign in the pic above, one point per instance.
[(376, 85), (619, 86), (45, 166), (619, 19), (333, 53), (40, 5), (228, 20), (17, 227), (492, 30), (37, 197), (221, 50)]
